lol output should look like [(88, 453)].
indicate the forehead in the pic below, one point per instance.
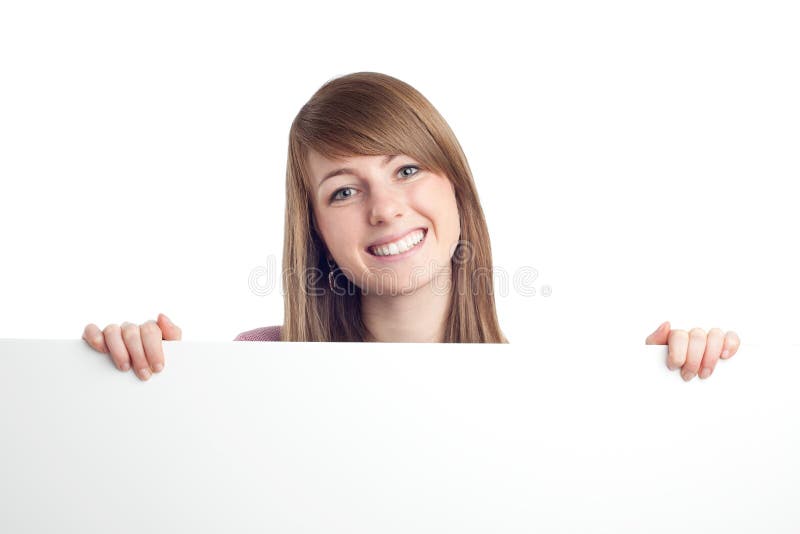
[(318, 161)]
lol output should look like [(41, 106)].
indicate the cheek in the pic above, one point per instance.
[(449, 222), (438, 199), (438, 203), (448, 212), (326, 233), (338, 234)]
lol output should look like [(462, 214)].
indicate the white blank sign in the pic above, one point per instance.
[(384, 438)]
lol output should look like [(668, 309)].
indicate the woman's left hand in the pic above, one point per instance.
[(694, 352)]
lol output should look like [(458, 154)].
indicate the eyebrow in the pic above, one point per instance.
[(337, 172)]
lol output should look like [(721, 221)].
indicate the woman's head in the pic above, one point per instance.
[(367, 210), (357, 122)]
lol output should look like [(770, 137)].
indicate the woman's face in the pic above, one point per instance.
[(362, 202)]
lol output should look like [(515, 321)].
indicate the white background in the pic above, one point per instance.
[(640, 156)]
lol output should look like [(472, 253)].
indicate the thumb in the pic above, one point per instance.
[(170, 330), (659, 337)]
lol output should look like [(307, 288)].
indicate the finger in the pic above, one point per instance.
[(694, 353), (659, 337), (151, 341), (731, 345), (133, 341), (94, 337), (678, 341), (116, 347), (170, 330), (711, 356)]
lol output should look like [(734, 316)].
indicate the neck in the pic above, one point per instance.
[(419, 317)]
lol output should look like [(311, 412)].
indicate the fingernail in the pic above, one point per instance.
[(705, 372), (725, 353), (144, 373), (126, 366), (687, 375), (158, 367)]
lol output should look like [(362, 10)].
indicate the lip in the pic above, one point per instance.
[(404, 255), (395, 237)]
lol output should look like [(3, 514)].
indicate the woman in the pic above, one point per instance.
[(385, 238)]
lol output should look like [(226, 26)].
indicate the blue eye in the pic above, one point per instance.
[(409, 167), (336, 194)]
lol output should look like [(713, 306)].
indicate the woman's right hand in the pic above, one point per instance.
[(134, 346)]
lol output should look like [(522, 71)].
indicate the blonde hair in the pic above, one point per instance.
[(368, 113)]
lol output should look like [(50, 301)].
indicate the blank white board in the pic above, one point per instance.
[(384, 438)]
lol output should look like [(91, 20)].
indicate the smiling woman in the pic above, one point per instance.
[(384, 232), (385, 238), (381, 204)]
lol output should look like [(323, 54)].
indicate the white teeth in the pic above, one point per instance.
[(399, 246)]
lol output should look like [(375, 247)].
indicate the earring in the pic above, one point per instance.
[(331, 267)]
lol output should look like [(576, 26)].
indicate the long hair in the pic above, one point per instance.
[(368, 113)]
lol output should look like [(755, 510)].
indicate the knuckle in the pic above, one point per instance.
[(111, 329), (675, 359), (697, 333), (677, 335), (716, 332), (129, 331), (120, 358), (150, 328), (711, 354), (93, 337), (154, 355)]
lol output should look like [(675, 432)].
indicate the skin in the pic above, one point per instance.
[(383, 198), (131, 345), (695, 353), (376, 199)]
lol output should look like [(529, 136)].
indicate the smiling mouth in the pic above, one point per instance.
[(411, 241)]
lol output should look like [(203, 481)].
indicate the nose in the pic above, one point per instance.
[(385, 204)]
